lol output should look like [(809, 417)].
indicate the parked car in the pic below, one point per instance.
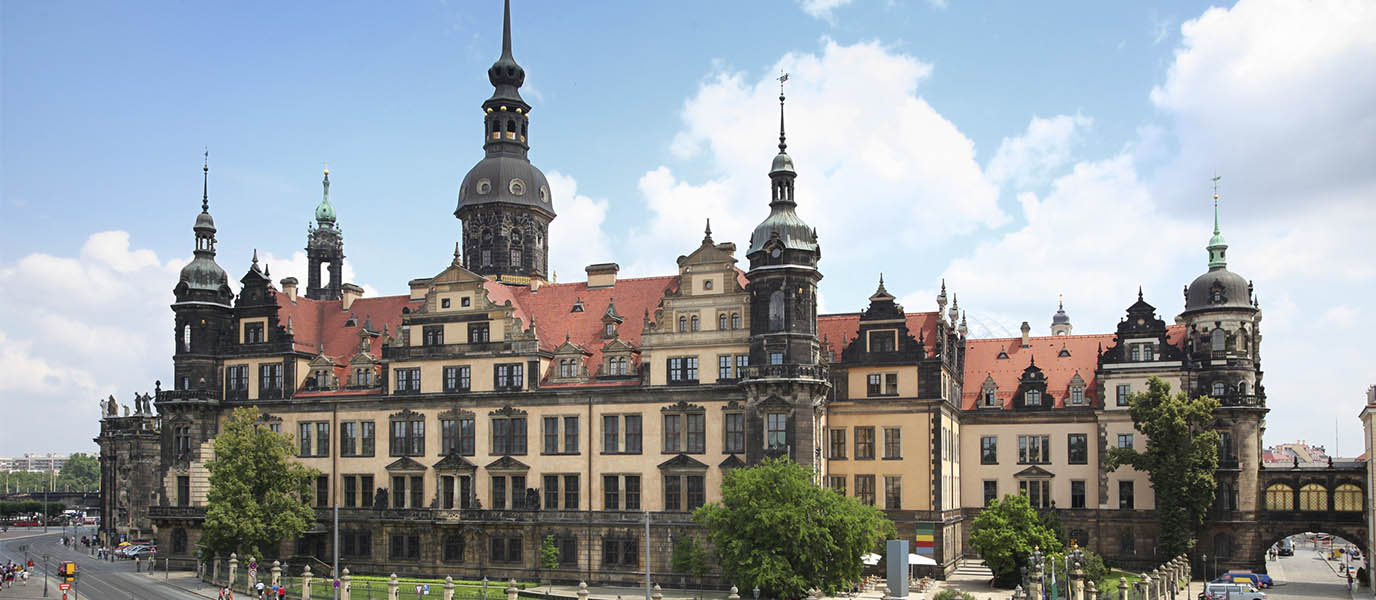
[(1287, 548), (1261, 580), (136, 551), (1231, 591)]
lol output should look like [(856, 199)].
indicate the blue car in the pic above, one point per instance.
[(1260, 580)]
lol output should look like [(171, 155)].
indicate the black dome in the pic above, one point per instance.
[(1219, 288), (508, 179)]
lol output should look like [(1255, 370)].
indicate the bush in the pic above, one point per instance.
[(950, 594)]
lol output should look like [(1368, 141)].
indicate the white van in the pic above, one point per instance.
[(1231, 591)]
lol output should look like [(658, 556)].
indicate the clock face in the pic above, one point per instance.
[(1141, 321), (775, 253)]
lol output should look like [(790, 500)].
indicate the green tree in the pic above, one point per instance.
[(549, 559), (1006, 532), (690, 557), (1180, 459), (81, 473), (258, 495), (1051, 519), (776, 529)]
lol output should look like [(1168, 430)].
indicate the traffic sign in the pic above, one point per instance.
[(64, 586)]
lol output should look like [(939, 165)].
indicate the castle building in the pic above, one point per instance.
[(458, 425)]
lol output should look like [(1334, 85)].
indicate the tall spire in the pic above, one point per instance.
[(324, 212), (505, 74), (506, 29), (783, 144), (205, 183), (1218, 248)]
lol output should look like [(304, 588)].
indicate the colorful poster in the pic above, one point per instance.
[(925, 543)]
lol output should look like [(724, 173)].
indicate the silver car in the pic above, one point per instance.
[(1231, 591)]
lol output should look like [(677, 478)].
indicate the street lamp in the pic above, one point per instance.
[(757, 592)]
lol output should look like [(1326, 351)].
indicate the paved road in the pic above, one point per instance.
[(99, 580), (1306, 575)]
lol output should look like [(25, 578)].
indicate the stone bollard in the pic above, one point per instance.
[(1143, 587), (814, 594), (306, 583), (392, 587), (658, 595), (233, 567), (1034, 582), (1155, 583), (512, 591), (346, 585), (735, 594), (1018, 594), (276, 572), (1091, 591), (582, 590), (448, 587), (1123, 588)]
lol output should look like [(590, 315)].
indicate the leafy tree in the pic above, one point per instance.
[(549, 558), (1180, 459), (1006, 532), (953, 594), (81, 473), (258, 494), (690, 556), (1051, 519), (1094, 567), (776, 529)]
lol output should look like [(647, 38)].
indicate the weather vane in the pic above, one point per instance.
[(782, 78), (1215, 180)]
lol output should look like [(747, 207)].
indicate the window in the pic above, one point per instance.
[(864, 443), (883, 341), (1313, 496), (478, 333), (1218, 340), (508, 436), (1077, 493), (551, 491), (1123, 390), (776, 358), (1219, 389), (515, 257), (236, 378), (776, 431), (1077, 395), (734, 423), (453, 548), (270, 378), (253, 333), (1077, 448), (322, 490), (350, 491), (1033, 398), (363, 376), (1034, 449), (181, 439), (874, 384), (568, 367), (487, 257), (724, 367), (1347, 498), (776, 311), (617, 366), (611, 443), (551, 435), (1125, 493), (183, 490), (836, 443), (672, 432), (322, 439), (989, 450), (408, 380), (417, 491), (506, 549), (432, 335), (1125, 441), (1280, 497), (398, 492), (464, 301), (365, 484), (864, 489), (682, 324), (673, 492), (693, 323), (356, 544), (683, 369), (457, 379), (697, 495), (609, 330), (893, 492), (991, 396), (509, 376), (611, 492), (696, 438), (623, 554), (367, 437), (837, 483), (1038, 492), (348, 438), (721, 321), (991, 491), (893, 443), (735, 320), (571, 435), (306, 430), (632, 492), (1147, 352), (742, 361), (1127, 544), (1136, 353), (633, 434), (1225, 496), (568, 550), (444, 303), (408, 436)]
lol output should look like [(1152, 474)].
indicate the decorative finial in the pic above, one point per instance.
[(255, 258), (205, 182), (456, 253), (327, 169), (783, 145), (1060, 302), (1215, 180), (506, 30), (707, 233), (1139, 292)]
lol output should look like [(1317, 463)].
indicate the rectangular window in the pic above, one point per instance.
[(742, 361), (322, 490), (776, 431), (508, 436), (891, 384), (611, 492), (449, 436), (673, 492), (408, 380), (735, 433), (893, 443), (568, 550), (611, 442), (519, 498), (356, 544), (623, 554), (551, 425), (1125, 500), (1136, 352), (571, 488), (417, 491), (1125, 441), (350, 491), (991, 491), (498, 492), (367, 437), (1077, 395), (509, 376), (432, 335), (633, 434), (632, 492), (398, 492), (348, 438), (322, 439), (672, 432), (1077, 448), (183, 490), (551, 491), (1147, 352), (253, 333), (270, 377), (236, 378), (864, 489), (477, 333), (874, 384), (836, 443), (456, 379), (1077, 493), (1034, 449), (864, 443), (837, 483), (1123, 390), (571, 435), (724, 367), (697, 495), (776, 358), (408, 437), (989, 450), (1038, 492), (696, 439), (307, 447), (365, 484), (893, 492), (446, 492)]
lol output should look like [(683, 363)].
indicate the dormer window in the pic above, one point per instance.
[(991, 397), (617, 366), (1136, 352), (1033, 398), (253, 333), (610, 330), (1077, 394), (577, 307), (883, 341), (568, 367), (1147, 352), (1003, 354)]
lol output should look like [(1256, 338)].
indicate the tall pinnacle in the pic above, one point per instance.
[(505, 74), (205, 183), (1218, 247), (783, 144), (506, 30)]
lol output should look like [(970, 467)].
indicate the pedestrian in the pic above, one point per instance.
[(281, 592), (261, 590)]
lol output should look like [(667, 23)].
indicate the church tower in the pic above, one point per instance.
[(785, 383), (325, 245), (202, 309), (504, 201)]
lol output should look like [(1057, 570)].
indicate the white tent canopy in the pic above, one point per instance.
[(917, 559), (870, 559)]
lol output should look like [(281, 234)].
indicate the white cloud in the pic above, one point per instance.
[(577, 234), (1042, 149), (821, 9)]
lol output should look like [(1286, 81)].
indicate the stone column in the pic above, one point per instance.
[(214, 568), (346, 585), (306, 583), (512, 591), (1077, 582), (233, 567), (1156, 581), (1091, 591), (448, 587), (1143, 587), (657, 595), (582, 590), (1018, 594), (734, 595), (276, 572), (1123, 588), (1034, 580), (392, 586)]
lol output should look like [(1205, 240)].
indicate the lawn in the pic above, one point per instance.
[(1110, 584)]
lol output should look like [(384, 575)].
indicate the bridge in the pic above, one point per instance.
[(1293, 499)]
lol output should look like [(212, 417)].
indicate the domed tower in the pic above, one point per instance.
[(1222, 343), (1060, 322), (504, 201), (325, 245), (202, 309), (785, 384)]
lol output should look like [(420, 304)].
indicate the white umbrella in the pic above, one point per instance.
[(870, 559), (917, 559)]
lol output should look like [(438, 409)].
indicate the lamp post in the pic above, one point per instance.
[(1205, 559), (757, 592)]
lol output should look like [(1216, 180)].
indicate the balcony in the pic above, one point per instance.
[(816, 373), (188, 395), (1244, 400), (176, 512)]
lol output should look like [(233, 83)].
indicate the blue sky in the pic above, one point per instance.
[(1019, 150)]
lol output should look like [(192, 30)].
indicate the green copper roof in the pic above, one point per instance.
[(325, 211), (1217, 246)]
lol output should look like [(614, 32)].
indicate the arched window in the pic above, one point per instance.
[(186, 338), (735, 320), (721, 321), (1313, 496), (511, 126), (1219, 389), (683, 324), (1242, 387), (776, 311), (1218, 340), (515, 257), (1280, 497), (694, 323), (1347, 498), (1242, 342)]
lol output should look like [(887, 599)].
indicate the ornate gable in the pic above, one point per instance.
[(454, 462), (1032, 393), (507, 464), (682, 462), (406, 464)]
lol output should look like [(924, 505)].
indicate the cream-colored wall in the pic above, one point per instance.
[(915, 466), (972, 484), (1137, 378), (858, 380), (1143, 496), (253, 372), (244, 322), (658, 359), (480, 372)]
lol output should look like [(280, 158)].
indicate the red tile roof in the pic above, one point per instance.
[(321, 326), (837, 330), (982, 361)]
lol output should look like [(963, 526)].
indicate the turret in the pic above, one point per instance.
[(202, 308), (325, 246)]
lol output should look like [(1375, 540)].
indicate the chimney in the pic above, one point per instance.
[(602, 274), (289, 288), (1026, 335), (351, 293)]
